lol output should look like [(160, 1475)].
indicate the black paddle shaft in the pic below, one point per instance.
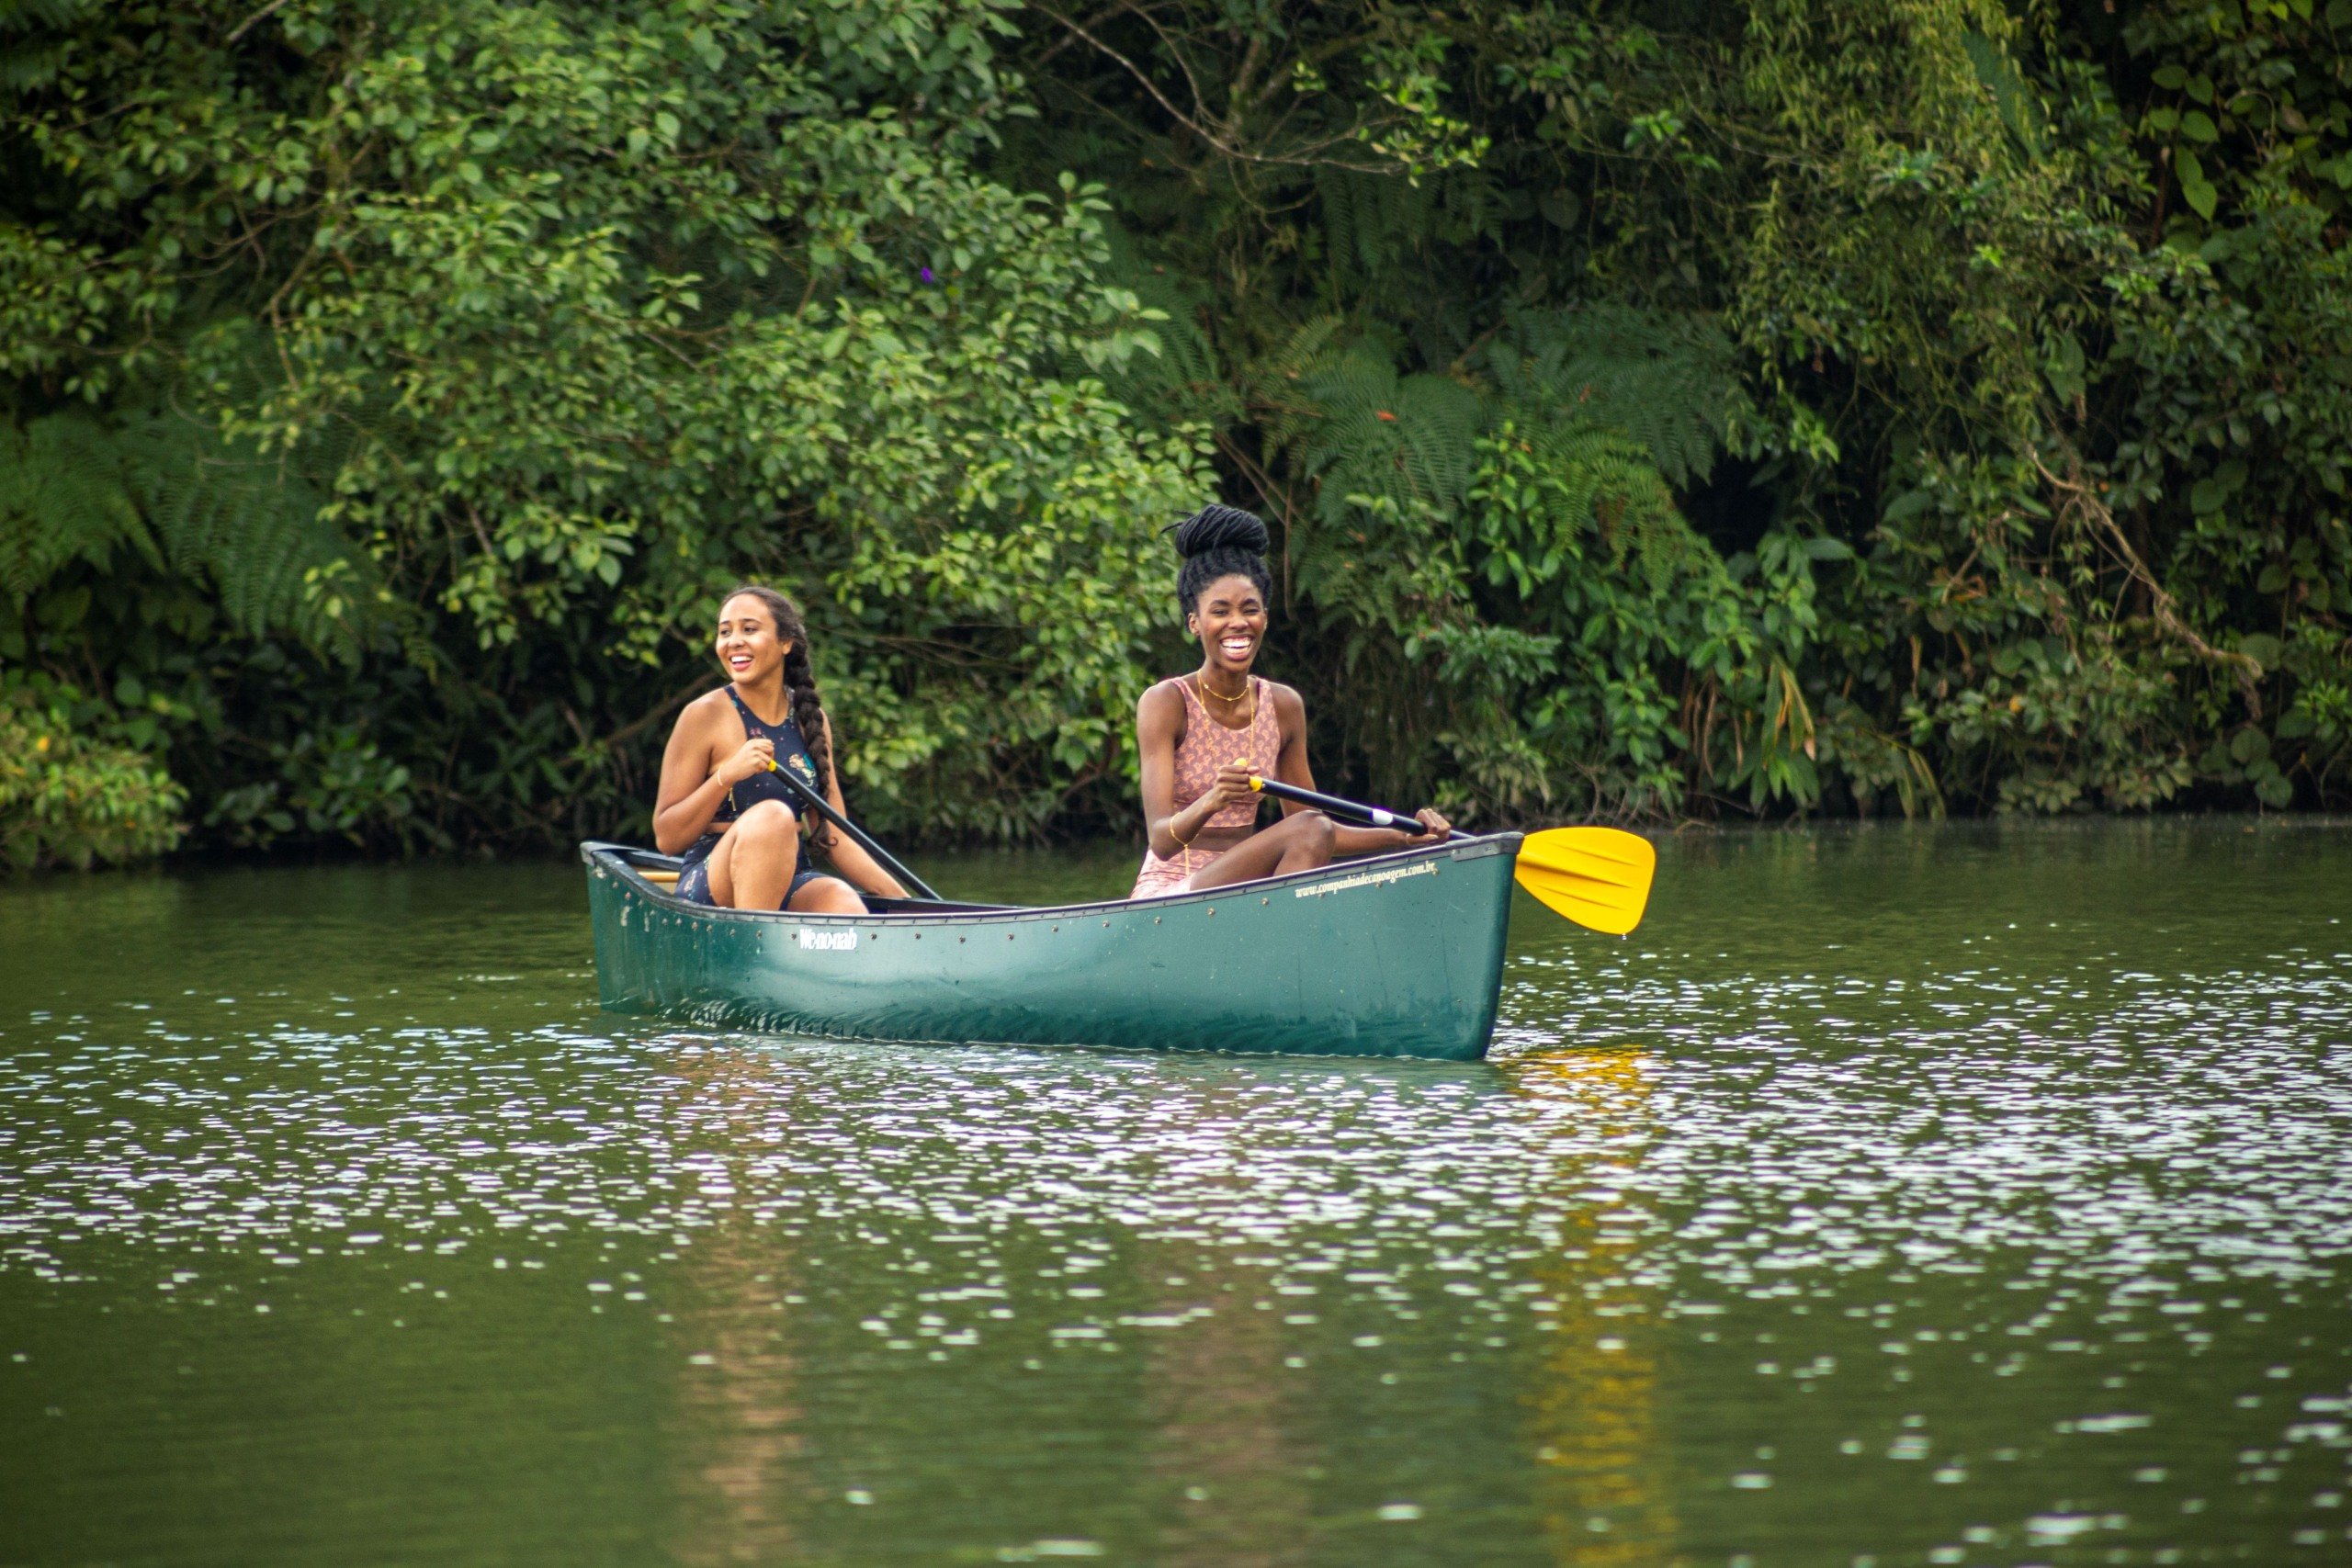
[(1370, 816), (808, 796)]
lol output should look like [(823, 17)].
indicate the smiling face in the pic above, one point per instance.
[(1229, 618), (748, 647)]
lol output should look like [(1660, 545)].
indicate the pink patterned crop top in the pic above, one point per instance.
[(1206, 746)]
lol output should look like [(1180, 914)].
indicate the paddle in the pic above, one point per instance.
[(808, 796), (1598, 877)]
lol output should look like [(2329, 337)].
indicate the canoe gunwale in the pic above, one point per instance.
[(621, 860)]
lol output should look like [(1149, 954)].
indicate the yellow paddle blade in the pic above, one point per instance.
[(1598, 877)]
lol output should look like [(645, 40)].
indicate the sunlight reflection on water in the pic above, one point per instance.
[(1930, 1196)]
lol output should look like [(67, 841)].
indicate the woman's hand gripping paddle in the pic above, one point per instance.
[(1598, 877), (807, 793)]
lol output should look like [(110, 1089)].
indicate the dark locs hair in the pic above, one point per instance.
[(1220, 541), (799, 685)]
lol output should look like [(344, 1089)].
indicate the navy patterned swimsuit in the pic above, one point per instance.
[(791, 751)]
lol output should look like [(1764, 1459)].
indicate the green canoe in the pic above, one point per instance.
[(1395, 956)]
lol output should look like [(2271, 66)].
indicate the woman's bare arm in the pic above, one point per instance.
[(691, 788), (1160, 729), (690, 791), (1159, 718)]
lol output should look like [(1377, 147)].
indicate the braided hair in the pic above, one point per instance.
[(1220, 541), (799, 686)]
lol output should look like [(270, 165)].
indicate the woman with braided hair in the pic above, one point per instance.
[(1202, 735), (721, 805)]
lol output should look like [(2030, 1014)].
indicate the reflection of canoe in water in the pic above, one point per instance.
[(1397, 955)]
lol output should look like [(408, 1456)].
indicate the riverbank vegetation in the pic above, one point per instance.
[(1665, 409)]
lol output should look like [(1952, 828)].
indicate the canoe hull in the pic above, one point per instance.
[(1399, 955)]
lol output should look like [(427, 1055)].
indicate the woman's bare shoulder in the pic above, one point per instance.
[(1286, 699), (1161, 694), (701, 716), (1160, 713)]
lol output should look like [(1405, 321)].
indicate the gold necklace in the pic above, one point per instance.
[(1245, 723), (1248, 686)]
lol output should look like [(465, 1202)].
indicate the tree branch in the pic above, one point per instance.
[(1304, 159), (2077, 497), (250, 22)]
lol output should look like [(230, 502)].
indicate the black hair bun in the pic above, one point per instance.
[(1219, 527)]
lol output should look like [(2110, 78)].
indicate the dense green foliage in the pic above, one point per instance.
[(70, 792), (1666, 408)]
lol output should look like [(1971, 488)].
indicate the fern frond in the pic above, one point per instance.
[(1370, 221), (1596, 482), (1275, 375), (1186, 380), (35, 36), (246, 524), (1357, 428), (63, 500), (77, 488), (1668, 382)]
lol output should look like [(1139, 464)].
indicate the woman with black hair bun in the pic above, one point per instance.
[(1202, 735), (720, 805)]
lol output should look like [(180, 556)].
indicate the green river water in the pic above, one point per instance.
[(1967, 1195)]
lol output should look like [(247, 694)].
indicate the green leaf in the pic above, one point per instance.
[(1560, 206), (2200, 196), (1909, 505), (2197, 126)]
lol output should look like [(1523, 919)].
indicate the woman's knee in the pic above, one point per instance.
[(768, 819), (1317, 834), (827, 896)]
